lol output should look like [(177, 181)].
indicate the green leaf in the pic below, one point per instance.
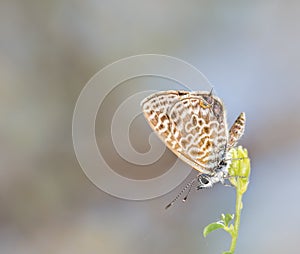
[(223, 217), (228, 218), (211, 227), (227, 252)]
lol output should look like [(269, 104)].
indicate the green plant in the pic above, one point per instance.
[(239, 172)]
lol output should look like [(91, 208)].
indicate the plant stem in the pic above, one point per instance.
[(238, 209), (240, 168)]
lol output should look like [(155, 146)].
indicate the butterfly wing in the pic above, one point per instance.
[(156, 109), (201, 129), (237, 130), (191, 124)]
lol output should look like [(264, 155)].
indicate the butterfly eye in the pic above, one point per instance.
[(203, 180)]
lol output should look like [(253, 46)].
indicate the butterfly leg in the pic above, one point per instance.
[(227, 183)]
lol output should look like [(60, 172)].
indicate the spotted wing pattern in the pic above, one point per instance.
[(192, 124), (237, 130), (156, 109)]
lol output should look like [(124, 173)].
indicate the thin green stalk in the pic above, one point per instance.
[(238, 209), (239, 171)]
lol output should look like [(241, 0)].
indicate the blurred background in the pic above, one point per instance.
[(249, 51)]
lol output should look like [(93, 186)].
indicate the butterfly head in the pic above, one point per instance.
[(207, 181), (204, 181), (219, 175)]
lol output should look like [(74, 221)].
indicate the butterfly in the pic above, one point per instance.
[(193, 125)]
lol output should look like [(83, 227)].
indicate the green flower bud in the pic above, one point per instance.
[(239, 169)]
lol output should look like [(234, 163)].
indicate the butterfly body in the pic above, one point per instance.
[(193, 125)]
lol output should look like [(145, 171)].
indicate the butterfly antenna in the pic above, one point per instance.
[(186, 196), (189, 185), (210, 93)]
